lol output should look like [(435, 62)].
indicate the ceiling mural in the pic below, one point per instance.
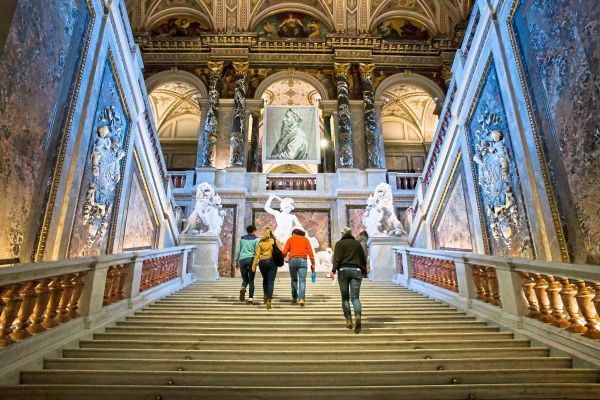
[(184, 26), (408, 114), (402, 29), (291, 92), (291, 25), (175, 110), (290, 19)]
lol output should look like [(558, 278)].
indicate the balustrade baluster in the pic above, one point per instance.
[(42, 297), (487, 295), (558, 309), (110, 278), (67, 289), (568, 293), (493, 287), (55, 291), (78, 284), (477, 273), (597, 297), (540, 290), (121, 275), (528, 285), (10, 307), (585, 296), (28, 299)]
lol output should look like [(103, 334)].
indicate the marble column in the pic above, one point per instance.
[(345, 157), (238, 134), (373, 134), (328, 156), (255, 159), (207, 145)]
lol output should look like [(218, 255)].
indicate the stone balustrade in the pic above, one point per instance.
[(541, 298), (38, 297), (403, 181), (293, 182)]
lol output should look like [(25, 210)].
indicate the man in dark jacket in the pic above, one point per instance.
[(350, 261)]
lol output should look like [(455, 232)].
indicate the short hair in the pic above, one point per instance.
[(364, 233), (251, 228), (346, 231), (298, 232)]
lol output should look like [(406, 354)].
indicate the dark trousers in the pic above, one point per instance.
[(350, 280), (247, 274), (269, 271)]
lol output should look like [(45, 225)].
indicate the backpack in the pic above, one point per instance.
[(277, 255)]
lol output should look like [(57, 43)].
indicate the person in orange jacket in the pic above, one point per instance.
[(299, 249)]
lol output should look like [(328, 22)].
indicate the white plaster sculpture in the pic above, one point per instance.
[(286, 221), (208, 210), (380, 218), (325, 259)]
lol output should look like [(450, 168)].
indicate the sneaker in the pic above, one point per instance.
[(242, 294), (349, 324), (250, 300), (357, 326), (294, 301), (301, 302)]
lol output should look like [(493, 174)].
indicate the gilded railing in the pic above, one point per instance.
[(40, 296)]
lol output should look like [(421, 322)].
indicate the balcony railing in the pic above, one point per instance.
[(287, 182)]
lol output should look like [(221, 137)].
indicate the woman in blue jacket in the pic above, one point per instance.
[(244, 254)]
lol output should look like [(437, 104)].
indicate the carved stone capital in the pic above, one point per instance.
[(366, 70), (241, 68), (215, 67), (341, 69)]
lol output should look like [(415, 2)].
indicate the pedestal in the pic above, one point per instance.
[(206, 259), (382, 257), (349, 178), (232, 177), (205, 174), (375, 176)]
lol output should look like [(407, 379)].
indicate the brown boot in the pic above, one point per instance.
[(268, 303), (357, 325), (243, 294), (349, 324)]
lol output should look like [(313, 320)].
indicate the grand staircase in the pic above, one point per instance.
[(203, 343)]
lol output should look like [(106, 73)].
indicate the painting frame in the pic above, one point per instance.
[(272, 120)]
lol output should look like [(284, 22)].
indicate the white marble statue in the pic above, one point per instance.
[(380, 218), (286, 221), (208, 210), (325, 259)]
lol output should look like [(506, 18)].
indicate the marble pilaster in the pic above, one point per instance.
[(237, 156), (373, 135), (207, 145), (344, 139), (255, 161)]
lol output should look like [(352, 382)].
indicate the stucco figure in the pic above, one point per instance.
[(380, 217), (207, 210)]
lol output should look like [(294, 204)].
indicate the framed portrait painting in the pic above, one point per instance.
[(291, 135)]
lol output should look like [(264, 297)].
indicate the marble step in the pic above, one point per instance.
[(300, 365), (303, 313), (263, 345), (520, 391), (192, 334), (306, 354), (308, 379)]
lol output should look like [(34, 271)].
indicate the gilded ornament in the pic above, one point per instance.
[(341, 69), (215, 67), (241, 68), (366, 70)]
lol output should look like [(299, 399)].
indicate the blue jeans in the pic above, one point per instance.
[(350, 280), (247, 274), (269, 271), (298, 275)]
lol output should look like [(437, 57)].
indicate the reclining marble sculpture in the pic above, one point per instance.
[(380, 217), (207, 210)]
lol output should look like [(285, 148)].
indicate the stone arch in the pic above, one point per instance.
[(177, 11), (303, 76), (428, 22), (413, 79), (279, 8), (176, 75)]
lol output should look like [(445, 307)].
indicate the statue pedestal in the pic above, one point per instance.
[(205, 174), (375, 176), (206, 257), (349, 178), (231, 177), (382, 257)]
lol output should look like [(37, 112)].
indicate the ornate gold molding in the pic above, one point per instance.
[(241, 68), (341, 69), (216, 67), (548, 187), (40, 247), (366, 70)]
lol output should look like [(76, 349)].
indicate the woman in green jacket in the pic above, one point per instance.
[(244, 255)]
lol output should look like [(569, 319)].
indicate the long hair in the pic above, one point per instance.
[(267, 235)]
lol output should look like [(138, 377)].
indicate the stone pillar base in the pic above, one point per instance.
[(375, 176), (205, 174), (234, 177), (349, 178), (206, 257), (382, 257)]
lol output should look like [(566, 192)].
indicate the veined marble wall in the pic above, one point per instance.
[(39, 67), (228, 241), (558, 46), (317, 222)]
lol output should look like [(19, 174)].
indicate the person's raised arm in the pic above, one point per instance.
[(268, 205)]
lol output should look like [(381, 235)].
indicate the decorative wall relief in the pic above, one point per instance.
[(496, 175), (451, 225), (558, 51), (39, 66), (141, 221), (104, 166)]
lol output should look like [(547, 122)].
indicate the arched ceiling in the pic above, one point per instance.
[(407, 116), (352, 16), (175, 110)]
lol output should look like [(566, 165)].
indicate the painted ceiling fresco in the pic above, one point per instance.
[(291, 25), (402, 29)]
